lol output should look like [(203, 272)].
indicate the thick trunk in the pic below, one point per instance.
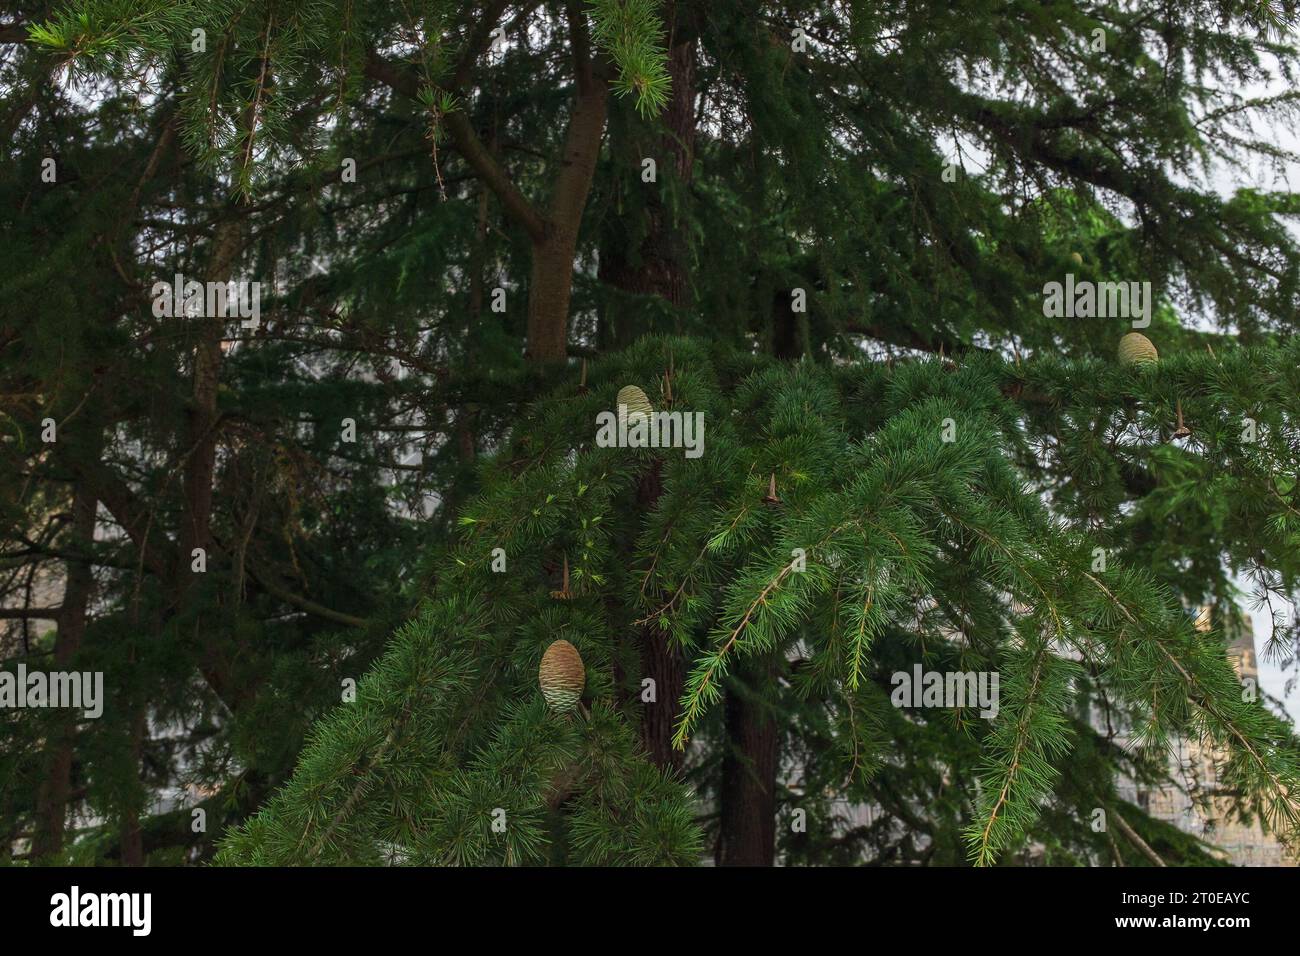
[(52, 800), (657, 264), (132, 840), (679, 116), (789, 331), (551, 283), (748, 792), (658, 268), (549, 290), (130, 834), (661, 661)]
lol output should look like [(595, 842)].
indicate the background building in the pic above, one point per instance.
[(1195, 803)]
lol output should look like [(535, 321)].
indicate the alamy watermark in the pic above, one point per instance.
[(78, 690), (651, 430), (211, 300), (75, 908), (946, 689), (1086, 299)]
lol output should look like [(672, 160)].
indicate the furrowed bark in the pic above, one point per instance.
[(657, 265), (748, 791), (661, 661)]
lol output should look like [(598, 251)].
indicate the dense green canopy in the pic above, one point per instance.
[(318, 552)]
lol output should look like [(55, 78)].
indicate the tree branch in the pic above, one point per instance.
[(1136, 840), (302, 603), (469, 146), (13, 33), (134, 518), (483, 163), (30, 613), (477, 43)]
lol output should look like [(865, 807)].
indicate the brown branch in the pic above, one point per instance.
[(582, 138), (123, 504), (581, 45), (14, 33), (492, 174), (1137, 841), (311, 607), (30, 613), (469, 145), (477, 43)]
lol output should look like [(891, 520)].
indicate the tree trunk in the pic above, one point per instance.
[(200, 433), (52, 800), (657, 266), (130, 834), (789, 331), (549, 290), (200, 445), (551, 283), (748, 791), (477, 258), (661, 662)]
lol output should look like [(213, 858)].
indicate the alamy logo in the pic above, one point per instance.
[(946, 689), (1086, 299), (103, 909), (211, 300), (651, 430), (25, 688)]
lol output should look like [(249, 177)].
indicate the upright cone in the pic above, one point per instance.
[(562, 676), (631, 402), (1136, 349)]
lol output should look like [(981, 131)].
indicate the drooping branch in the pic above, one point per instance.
[(267, 581), (1136, 840)]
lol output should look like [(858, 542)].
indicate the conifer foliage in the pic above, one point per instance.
[(881, 530), (320, 553)]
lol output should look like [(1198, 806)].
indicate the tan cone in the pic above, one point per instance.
[(562, 676), (1136, 349), (631, 402)]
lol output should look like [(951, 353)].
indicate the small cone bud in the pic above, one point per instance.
[(771, 496), (564, 594)]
